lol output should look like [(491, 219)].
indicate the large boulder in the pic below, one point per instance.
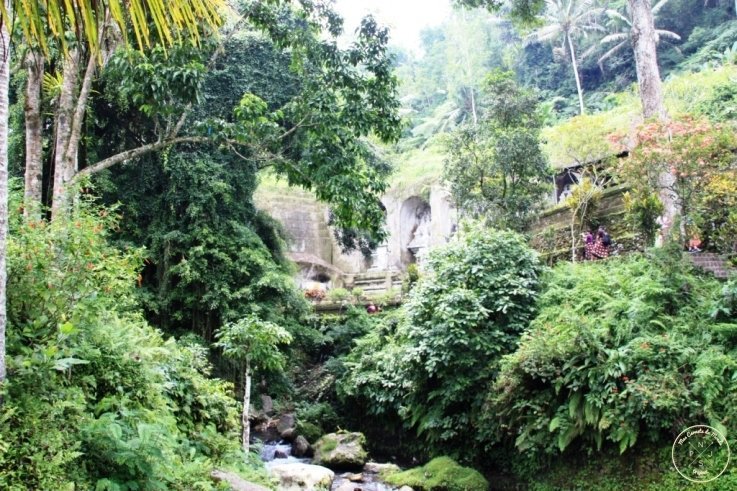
[(440, 474), (236, 482), (286, 422), (302, 477), (300, 447), (289, 434), (341, 450)]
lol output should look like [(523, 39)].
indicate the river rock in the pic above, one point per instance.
[(377, 468), (348, 486), (289, 434), (300, 446), (355, 477), (235, 481), (280, 454), (286, 421), (406, 488), (302, 477), (342, 450)]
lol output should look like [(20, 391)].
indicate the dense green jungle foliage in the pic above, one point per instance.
[(97, 398), (441, 89), (133, 315), (496, 170), (617, 355), (213, 256)]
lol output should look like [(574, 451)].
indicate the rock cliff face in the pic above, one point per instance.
[(416, 222)]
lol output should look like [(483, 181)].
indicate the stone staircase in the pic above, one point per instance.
[(376, 283), (714, 263)]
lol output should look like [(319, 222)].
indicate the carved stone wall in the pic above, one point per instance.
[(416, 222)]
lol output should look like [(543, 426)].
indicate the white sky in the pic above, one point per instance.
[(405, 18)]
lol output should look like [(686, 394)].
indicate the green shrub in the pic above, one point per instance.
[(310, 431), (621, 351), (357, 294), (388, 297), (95, 397), (642, 210), (320, 415), (440, 474), (464, 314), (338, 295), (413, 276), (340, 331)]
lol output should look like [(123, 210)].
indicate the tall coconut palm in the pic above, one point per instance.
[(621, 22), (565, 21), (44, 22)]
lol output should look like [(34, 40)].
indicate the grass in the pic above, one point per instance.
[(418, 169)]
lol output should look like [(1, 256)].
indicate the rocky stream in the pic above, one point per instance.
[(336, 461)]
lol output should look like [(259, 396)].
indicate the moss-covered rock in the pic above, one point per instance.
[(308, 430), (342, 450), (440, 474)]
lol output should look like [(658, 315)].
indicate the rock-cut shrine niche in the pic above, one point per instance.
[(415, 220)]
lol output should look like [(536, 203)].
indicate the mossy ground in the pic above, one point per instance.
[(440, 474)]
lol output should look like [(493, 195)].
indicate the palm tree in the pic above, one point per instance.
[(566, 20), (43, 22), (623, 36)]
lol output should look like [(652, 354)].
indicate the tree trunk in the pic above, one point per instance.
[(64, 115), (644, 43), (473, 107), (34, 138), (575, 72), (246, 434), (573, 236), (4, 103)]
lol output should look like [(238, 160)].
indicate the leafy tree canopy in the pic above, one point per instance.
[(496, 169), (477, 298)]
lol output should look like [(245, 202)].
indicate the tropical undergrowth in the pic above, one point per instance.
[(497, 363), (95, 397), (628, 350)]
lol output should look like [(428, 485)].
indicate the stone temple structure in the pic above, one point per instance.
[(416, 222)]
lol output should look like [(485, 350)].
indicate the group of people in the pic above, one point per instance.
[(597, 244)]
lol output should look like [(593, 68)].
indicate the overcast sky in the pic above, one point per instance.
[(405, 18)]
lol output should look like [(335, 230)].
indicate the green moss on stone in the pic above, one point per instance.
[(328, 444), (310, 431), (342, 450), (440, 474)]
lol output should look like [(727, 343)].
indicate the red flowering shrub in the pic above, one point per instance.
[(697, 160)]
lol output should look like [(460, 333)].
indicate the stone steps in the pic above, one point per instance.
[(377, 283), (713, 263)]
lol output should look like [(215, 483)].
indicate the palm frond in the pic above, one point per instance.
[(617, 37), (545, 33), (667, 34), (611, 52), (613, 14), (659, 5), (50, 20)]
